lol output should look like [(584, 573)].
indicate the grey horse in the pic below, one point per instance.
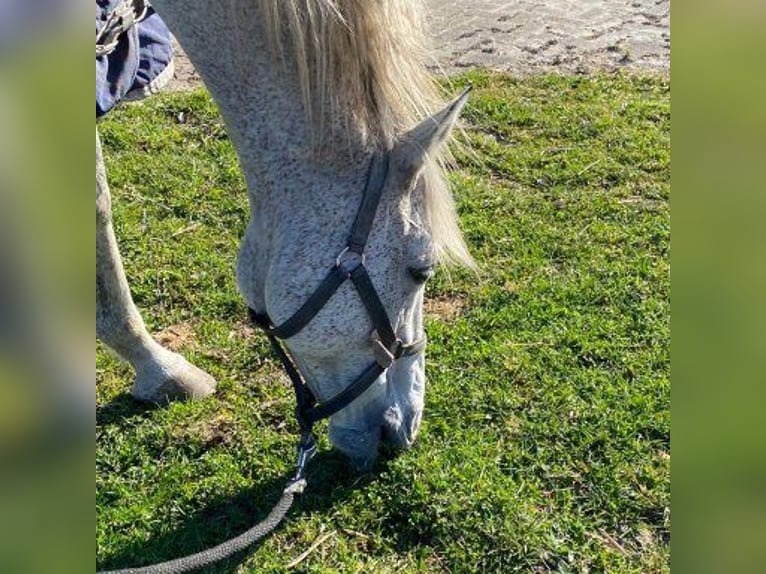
[(309, 91)]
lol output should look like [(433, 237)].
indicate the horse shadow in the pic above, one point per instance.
[(122, 407)]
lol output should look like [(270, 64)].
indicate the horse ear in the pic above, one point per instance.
[(411, 152)]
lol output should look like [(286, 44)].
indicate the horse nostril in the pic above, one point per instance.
[(401, 430)]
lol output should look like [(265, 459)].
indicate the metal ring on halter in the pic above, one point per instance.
[(361, 257)]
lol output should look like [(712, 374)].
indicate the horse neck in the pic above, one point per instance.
[(258, 97)]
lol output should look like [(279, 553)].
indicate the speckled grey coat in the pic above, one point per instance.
[(301, 212)]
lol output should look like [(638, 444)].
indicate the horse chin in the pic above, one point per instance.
[(360, 446), (399, 430)]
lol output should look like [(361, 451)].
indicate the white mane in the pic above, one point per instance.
[(361, 65)]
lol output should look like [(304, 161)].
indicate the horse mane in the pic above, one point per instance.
[(360, 66)]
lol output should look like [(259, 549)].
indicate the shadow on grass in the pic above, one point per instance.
[(330, 480), (123, 407)]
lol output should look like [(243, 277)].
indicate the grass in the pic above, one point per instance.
[(545, 445)]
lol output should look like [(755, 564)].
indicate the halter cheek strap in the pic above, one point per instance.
[(349, 265)]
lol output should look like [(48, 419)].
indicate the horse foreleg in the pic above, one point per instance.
[(160, 374)]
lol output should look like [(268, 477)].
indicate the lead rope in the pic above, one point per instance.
[(296, 485)]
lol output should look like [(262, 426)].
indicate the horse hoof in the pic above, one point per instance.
[(172, 379)]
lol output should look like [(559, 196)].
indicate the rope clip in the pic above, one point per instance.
[(307, 448)]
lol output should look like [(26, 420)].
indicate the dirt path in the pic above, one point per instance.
[(531, 36)]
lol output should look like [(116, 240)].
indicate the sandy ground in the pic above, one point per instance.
[(532, 36)]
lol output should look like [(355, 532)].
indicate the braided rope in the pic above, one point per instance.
[(228, 548)]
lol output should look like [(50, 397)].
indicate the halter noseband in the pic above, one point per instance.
[(350, 264)]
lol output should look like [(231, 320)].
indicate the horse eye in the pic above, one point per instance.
[(421, 274)]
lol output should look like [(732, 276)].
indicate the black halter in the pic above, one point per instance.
[(386, 345)]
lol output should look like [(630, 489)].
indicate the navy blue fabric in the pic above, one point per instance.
[(154, 49), (142, 53)]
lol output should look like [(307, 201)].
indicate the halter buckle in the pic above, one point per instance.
[(384, 356), (358, 258)]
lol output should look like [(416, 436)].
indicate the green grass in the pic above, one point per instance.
[(545, 445)]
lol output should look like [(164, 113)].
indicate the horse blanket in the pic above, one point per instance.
[(140, 64)]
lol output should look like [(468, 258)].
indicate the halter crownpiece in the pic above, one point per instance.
[(387, 347)]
